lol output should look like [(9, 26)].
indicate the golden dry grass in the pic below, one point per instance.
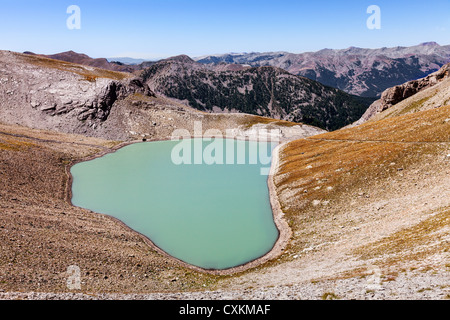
[(357, 167), (332, 157), (427, 126), (88, 73), (14, 144), (410, 240)]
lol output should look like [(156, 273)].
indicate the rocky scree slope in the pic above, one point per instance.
[(47, 94)]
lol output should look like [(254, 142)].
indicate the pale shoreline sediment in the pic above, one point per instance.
[(284, 231)]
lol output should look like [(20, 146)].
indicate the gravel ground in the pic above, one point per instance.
[(393, 214), (413, 285)]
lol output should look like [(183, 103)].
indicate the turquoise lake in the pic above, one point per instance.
[(214, 216)]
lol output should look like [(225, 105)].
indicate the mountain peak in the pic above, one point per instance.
[(430, 44), (181, 58)]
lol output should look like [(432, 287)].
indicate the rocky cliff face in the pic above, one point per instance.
[(399, 93), (395, 95), (40, 92)]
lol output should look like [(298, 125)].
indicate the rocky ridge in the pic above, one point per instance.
[(411, 285), (41, 92), (422, 94), (79, 58), (223, 87), (359, 71)]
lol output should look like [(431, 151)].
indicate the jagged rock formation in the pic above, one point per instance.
[(364, 72), (265, 91), (41, 92), (401, 94)]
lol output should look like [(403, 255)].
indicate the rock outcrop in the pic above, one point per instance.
[(397, 94)]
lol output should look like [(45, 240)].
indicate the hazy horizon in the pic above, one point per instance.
[(157, 29), (206, 55)]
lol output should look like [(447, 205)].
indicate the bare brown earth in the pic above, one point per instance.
[(41, 234)]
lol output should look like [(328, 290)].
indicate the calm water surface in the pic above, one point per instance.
[(211, 216)]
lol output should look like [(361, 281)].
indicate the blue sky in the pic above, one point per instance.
[(162, 28)]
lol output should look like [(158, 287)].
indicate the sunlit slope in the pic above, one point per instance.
[(434, 97), (379, 191)]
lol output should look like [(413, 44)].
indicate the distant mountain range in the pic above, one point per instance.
[(363, 72), (115, 64), (329, 88), (358, 71)]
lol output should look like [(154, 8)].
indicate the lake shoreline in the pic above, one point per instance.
[(284, 231)]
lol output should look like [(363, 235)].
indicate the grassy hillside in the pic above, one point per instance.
[(89, 73), (433, 97), (374, 194)]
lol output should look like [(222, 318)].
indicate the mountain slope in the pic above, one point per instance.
[(363, 201), (433, 91), (43, 93), (369, 200), (363, 72), (79, 58), (266, 91)]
